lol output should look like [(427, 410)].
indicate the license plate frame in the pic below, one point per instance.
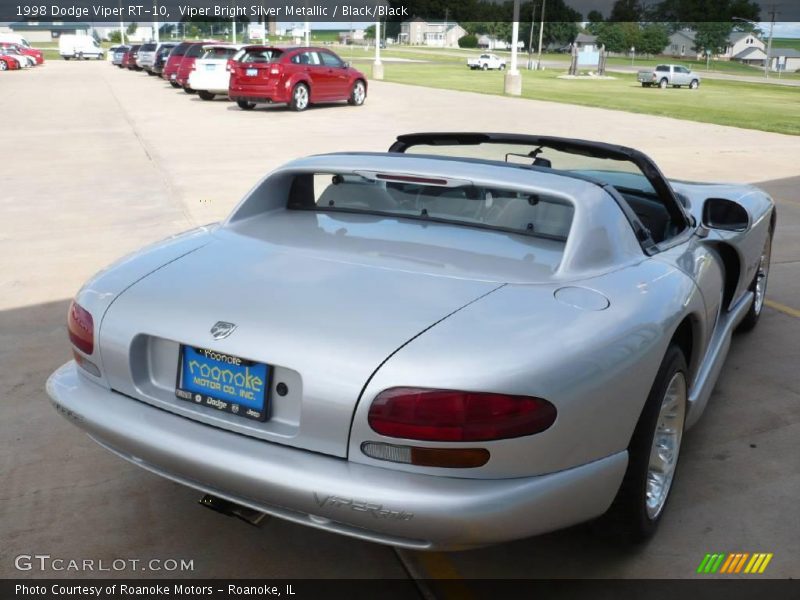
[(220, 385), (251, 72)]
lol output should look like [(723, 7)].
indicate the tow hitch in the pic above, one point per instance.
[(231, 509)]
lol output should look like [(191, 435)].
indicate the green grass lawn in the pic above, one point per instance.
[(786, 43), (748, 105)]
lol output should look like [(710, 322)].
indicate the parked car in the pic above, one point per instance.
[(666, 75), (9, 62), (36, 55), (294, 76), (118, 55), (162, 55), (486, 62), (210, 74), (24, 61), (15, 38), (193, 52), (170, 70), (433, 347), (146, 56), (79, 47), (129, 61)]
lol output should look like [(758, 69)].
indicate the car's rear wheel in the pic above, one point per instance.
[(189, 90), (174, 84), (299, 100), (653, 452), (358, 94), (3, 65), (758, 287), (485, 67), (694, 85), (150, 73), (204, 95), (245, 105), (502, 67), (663, 84)]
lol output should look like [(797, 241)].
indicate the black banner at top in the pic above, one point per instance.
[(32, 14)]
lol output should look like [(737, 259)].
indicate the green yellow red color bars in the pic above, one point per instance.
[(735, 562)]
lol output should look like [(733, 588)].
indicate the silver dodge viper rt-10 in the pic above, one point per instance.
[(468, 339)]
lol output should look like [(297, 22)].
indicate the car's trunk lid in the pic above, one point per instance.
[(324, 322)]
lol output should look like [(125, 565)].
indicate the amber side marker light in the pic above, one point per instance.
[(450, 458)]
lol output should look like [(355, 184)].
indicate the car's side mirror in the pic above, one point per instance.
[(346, 65), (721, 213)]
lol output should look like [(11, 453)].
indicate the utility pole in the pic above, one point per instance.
[(512, 83), (769, 41), (530, 37), (377, 66), (541, 35)]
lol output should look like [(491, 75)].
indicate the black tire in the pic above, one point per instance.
[(297, 103), (67, 57), (3, 65), (189, 90), (358, 94), (485, 67), (174, 84), (645, 85), (204, 95), (80, 55), (245, 105), (502, 67), (694, 84), (663, 83), (757, 306), (629, 515), (150, 74)]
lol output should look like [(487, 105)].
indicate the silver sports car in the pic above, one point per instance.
[(469, 339)]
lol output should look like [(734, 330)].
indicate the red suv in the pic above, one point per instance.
[(294, 76), (129, 60), (170, 70), (186, 66)]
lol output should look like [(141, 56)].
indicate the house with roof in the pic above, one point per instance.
[(441, 34), (784, 59), (741, 41), (490, 42), (47, 31), (682, 45)]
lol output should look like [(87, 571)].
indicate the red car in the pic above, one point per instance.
[(170, 70), (129, 61), (294, 76), (19, 49), (187, 63), (8, 63)]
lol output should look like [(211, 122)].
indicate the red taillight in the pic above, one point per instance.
[(454, 416), (275, 70), (81, 328)]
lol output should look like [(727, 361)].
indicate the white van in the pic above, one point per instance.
[(14, 38), (79, 46)]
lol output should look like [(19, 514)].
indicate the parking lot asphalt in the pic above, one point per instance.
[(98, 162)]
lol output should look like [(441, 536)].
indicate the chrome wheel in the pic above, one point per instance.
[(762, 274), (359, 93), (300, 97), (666, 445)]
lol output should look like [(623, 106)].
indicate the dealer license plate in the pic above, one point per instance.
[(224, 382), (251, 72)]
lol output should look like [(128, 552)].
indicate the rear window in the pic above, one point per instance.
[(261, 55), (147, 48), (180, 49), (221, 53), (437, 200), (194, 51), (662, 68)]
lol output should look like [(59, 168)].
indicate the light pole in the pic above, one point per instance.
[(530, 36), (513, 78), (541, 36), (377, 66)]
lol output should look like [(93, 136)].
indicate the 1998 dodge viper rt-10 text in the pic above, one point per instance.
[(468, 339)]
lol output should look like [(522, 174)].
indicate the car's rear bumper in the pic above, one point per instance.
[(372, 503)]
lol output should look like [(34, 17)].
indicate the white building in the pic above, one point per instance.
[(441, 34)]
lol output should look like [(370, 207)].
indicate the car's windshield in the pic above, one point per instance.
[(622, 174), (438, 200)]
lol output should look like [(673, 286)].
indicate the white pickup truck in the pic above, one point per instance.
[(486, 62), (666, 75)]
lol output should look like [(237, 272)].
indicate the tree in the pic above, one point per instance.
[(131, 29), (115, 37), (468, 41), (711, 36), (369, 32), (626, 11), (619, 37), (653, 39), (594, 16)]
